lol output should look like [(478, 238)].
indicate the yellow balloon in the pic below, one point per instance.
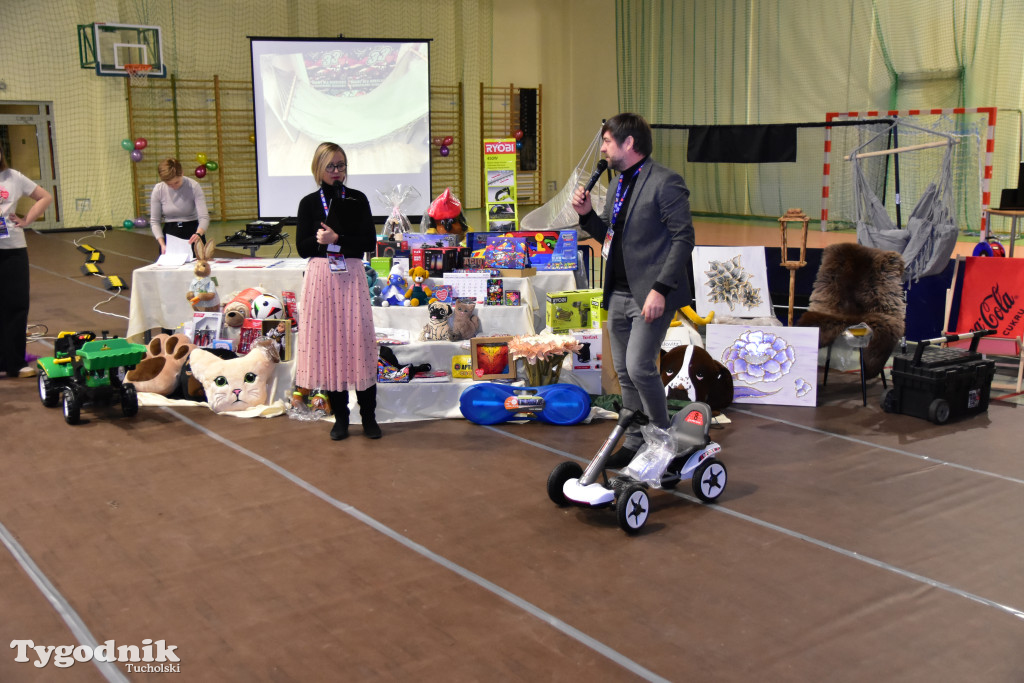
[(252, 138), (201, 158)]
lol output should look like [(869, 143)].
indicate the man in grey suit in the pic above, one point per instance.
[(647, 233)]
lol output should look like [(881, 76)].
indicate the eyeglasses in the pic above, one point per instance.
[(337, 167)]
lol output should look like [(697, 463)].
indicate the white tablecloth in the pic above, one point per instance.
[(158, 292)]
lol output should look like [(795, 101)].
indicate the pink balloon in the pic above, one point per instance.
[(140, 143), (443, 151), (200, 171)]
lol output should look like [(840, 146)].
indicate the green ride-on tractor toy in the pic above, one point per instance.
[(85, 369)]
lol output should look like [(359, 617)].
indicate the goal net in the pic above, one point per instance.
[(900, 180)]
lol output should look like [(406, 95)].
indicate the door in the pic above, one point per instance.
[(26, 136)]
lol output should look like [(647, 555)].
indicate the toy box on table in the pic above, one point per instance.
[(938, 384), (569, 310)]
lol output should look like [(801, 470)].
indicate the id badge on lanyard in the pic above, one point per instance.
[(620, 197), (335, 259)]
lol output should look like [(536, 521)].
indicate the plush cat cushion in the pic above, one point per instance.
[(465, 321), (239, 383)]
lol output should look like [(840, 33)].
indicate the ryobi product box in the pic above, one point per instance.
[(938, 384), (569, 310), (598, 315)]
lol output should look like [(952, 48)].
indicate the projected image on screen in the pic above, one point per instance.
[(370, 97)]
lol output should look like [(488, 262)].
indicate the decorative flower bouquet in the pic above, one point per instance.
[(542, 355)]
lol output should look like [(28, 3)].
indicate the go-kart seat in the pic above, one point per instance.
[(690, 428)]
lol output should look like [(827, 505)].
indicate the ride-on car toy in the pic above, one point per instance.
[(84, 369), (693, 456)]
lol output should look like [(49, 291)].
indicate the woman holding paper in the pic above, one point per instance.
[(337, 348), (177, 206)]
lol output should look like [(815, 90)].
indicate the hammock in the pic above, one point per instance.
[(557, 213), (930, 236)]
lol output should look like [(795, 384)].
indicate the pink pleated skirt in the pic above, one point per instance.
[(336, 348)]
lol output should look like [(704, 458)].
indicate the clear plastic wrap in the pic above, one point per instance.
[(653, 458), (397, 222)]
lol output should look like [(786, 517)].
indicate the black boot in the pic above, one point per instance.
[(367, 399), (339, 404)]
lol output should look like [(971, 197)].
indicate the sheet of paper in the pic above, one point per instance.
[(179, 252)]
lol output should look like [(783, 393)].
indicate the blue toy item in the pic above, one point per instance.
[(394, 293), (490, 403)]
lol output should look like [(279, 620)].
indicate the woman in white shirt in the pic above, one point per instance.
[(177, 206), (14, 280)]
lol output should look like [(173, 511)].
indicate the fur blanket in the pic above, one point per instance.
[(858, 284)]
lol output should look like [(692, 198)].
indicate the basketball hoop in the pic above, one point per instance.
[(138, 73)]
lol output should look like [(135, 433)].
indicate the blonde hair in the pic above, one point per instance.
[(322, 157), (168, 169)]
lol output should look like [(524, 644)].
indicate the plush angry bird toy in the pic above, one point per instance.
[(418, 293)]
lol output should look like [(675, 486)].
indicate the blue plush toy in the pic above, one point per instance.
[(394, 293), (371, 282)]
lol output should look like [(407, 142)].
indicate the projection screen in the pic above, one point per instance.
[(372, 97)]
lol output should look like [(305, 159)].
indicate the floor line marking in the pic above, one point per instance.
[(898, 451), (422, 550), (59, 603), (718, 507)]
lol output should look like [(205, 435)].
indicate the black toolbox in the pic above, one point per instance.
[(941, 383)]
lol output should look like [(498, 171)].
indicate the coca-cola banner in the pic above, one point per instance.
[(988, 293)]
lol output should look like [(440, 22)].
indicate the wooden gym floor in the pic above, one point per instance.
[(849, 545)]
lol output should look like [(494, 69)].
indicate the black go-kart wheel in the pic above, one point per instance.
[(49, 394), (633, 508), (938, 411), (73, 399), (709, 480), (889, 400), (129, 400), (563, 472)]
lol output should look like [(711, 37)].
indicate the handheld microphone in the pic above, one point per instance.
[(601, 166)]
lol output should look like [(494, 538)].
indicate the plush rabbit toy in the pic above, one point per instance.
[(202, 293)]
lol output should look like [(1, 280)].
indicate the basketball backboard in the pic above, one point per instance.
[(109, 47)]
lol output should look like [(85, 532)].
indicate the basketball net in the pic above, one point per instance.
[(138, 73)]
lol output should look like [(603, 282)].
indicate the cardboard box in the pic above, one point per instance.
[(381, 264), (517, 272), (598, 315), (609, 380), (569, 310), (589, 357)]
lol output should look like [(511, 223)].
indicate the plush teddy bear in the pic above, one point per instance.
[(465, 321), (419, 293)]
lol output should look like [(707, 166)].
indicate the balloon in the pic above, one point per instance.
[(201, 158), (438, 141), (448, 140), (519, 144), (136, 155), (140, 222), (212, 165), (519, 134), (128, 224), (200, 171), (140, 143), (127, 144), (252, 138), (443, 151)]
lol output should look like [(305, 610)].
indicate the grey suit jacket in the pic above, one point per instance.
[(658, 236)]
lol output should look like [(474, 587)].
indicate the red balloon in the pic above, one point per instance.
[(140, 143), (448, 140), (443, 151), (518, 134), (201, 171)]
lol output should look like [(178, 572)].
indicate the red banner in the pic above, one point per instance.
[(992, 296)]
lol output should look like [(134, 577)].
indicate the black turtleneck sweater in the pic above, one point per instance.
[(350, 217)]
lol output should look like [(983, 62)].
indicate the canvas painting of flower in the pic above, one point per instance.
[(769, 365)]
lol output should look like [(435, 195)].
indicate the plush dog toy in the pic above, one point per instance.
[(465, 321), (419, 293), (237, 309), (437, 328), (690, 373)]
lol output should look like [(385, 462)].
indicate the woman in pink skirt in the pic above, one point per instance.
[(337, 348)]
